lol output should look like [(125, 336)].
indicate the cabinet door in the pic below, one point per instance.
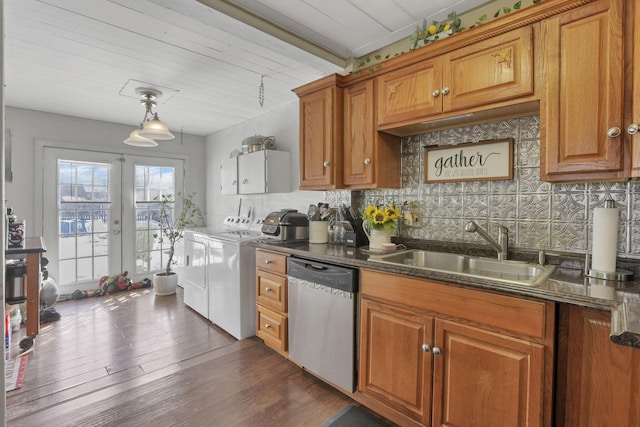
[(410, 93), (486, 379), (493, 70), (394, 368), (633, 33), (229, 176), (359, 134), (601, 377), (321, 139), (582, 105), (252, 173)]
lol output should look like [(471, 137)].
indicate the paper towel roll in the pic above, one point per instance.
[(605, 239)]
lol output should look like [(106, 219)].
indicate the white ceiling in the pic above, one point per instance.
[(85, 58)]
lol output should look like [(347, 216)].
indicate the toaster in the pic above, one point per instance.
[(288, 225)]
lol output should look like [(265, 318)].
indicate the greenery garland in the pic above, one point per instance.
[(435, 31)]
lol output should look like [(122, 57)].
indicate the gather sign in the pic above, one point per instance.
[(473, 161)]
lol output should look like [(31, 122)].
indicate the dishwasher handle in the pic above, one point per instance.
[(333, 276)]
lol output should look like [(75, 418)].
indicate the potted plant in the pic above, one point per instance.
[(379, 222), (172, 223)]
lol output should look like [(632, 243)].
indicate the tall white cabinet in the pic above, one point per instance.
[(264, 171)]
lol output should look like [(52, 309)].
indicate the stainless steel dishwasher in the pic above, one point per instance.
[(322, 320)]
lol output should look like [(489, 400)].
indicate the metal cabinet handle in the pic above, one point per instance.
[(435, 93), (445, 90), (326, 163), (426, 348), (614, 132), (267, 326), (116, 231), (234, 183), (187, 261), (245, 181), (267, 261), (436, 351), (633, 129), (267, 289), (367, 161)]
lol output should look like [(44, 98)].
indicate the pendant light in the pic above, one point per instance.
[(151, 129), (139, 141), (156, 129)]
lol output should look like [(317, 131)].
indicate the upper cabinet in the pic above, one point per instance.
[(264, 171), (229, 175), (574, 62), (583, 130), (479, 75), (321, 134), (633, 120), (371, 159)]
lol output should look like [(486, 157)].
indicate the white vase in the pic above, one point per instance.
[(165, 285), (377, 238)]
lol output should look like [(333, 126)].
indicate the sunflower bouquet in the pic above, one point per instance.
[(382, 217)]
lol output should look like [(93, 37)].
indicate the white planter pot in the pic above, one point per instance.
[(165, 285)]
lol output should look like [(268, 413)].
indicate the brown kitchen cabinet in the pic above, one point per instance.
[(321, 104), (371, 159), (479, 75), (394, 369), (437, 354), (582, 111), (597, 379), (633, 51), (271, 300)]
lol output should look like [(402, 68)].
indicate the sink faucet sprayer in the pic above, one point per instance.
[(500, 246)]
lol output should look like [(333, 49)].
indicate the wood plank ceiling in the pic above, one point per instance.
[(85, 58)]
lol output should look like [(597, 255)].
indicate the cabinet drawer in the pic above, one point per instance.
[(271, 261), (272, 328), (271, 291)]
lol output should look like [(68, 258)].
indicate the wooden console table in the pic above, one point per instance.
[(33, 249)]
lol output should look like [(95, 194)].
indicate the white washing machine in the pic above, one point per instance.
[(220, 284)]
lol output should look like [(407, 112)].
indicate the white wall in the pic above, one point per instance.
[(284, 125), (27, 126)]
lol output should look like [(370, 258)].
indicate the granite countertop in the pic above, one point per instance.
[(568, 284)]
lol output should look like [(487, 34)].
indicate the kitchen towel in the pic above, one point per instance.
[(605, 238)]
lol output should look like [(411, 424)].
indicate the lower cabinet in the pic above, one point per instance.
[(271, 300), (597, 379), (484, 359)]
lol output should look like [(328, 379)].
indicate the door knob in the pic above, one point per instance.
[(632, 129), (426, 348), (326, 163), (367, 161), (614, 132), (436, 351), (267, 289), (435, 92), (445, 90)]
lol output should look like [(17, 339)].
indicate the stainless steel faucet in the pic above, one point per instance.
[(501, 246)]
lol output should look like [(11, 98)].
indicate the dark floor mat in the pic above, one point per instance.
[(354, 416)]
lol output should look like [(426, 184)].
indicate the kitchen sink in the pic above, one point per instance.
[(515, 272)]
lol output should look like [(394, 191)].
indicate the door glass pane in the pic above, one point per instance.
[(83, 215), (150, 183)]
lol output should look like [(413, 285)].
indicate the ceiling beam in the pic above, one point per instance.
[(274, 30)]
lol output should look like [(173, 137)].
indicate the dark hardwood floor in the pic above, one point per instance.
[(134, 359)]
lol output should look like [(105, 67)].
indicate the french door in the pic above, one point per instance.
[(97, 210)]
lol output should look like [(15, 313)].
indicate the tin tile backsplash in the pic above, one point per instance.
[(539, 215)]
